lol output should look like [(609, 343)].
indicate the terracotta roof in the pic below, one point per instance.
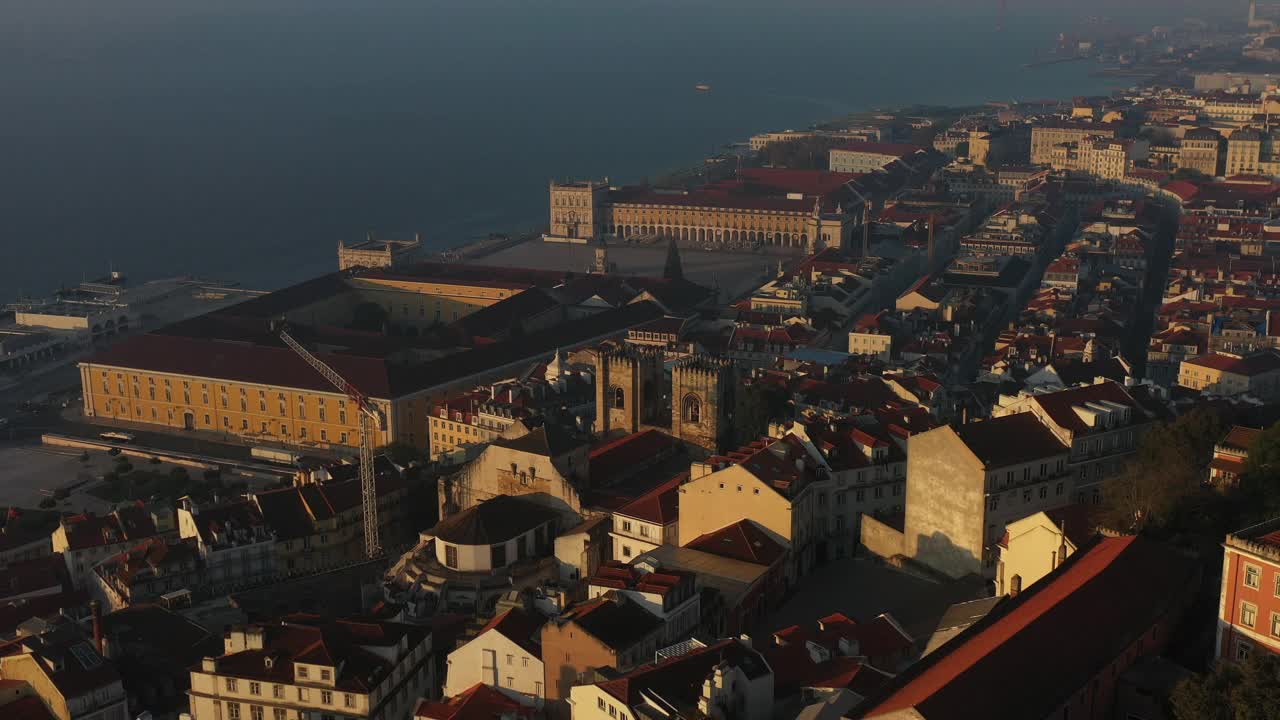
[(619, 623), (1075, 521), (660, 506), (1059, 405), (241, 361), (68, 660), (620, 576), (743, 540), (678, 680), (1249, 365), (518, 626), (120, 526), (496, 520), (151, 556), (609, 461), (1137, 580), (26, 576), (216, 524), (1240, 437), (1010, 440), (478, 702), (547, 440), (44, 606), (314, 640), (27, 708)]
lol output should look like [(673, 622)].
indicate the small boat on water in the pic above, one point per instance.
[(702, 87)]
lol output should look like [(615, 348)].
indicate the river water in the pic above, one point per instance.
[(243, 139)]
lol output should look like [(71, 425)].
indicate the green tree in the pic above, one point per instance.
[(1166, 471), (402, 453), (1244, 691), (1260, 483)]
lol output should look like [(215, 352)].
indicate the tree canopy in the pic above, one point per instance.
[(1233, 691), (1168, 468)]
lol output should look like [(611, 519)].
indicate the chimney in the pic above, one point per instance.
[(95, 611)]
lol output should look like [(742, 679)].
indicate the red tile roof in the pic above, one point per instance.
[(1138, 581), (609, 461), (660, 505), (28, 708), (1249, 366), (743, 540), (123, 525), (519, 627), (1009, 440), (679, 679), (26, 576), (240, 361), (1240, 437), (1059, 405), (311, 639), (478, 702)]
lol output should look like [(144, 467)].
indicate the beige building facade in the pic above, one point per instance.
[(260, 677), (964, 486), (1044, 138), (1032, 548)]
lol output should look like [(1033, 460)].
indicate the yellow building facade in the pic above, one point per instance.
[(251, 411)]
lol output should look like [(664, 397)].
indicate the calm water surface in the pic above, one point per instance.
[(244, 138)]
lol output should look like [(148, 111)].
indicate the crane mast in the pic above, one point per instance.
[(370, 420)]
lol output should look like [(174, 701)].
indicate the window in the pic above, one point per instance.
[(326, 697), (1252, 576), (277, 691), (255, 712), (511, 660), (1244, 649), (278, 714), (626, 551), (692, 409), (303, 695), (231, 685), (626, 526), (995, 503), (619, 398), (303, 672), (1248, 614), (255, 688), (324, 674), (349, 700), (233, 711), (1057, 490)]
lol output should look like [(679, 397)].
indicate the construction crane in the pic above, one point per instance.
[(370, 420)]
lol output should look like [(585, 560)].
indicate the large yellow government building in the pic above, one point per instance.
[(762, 208), (228, 372)]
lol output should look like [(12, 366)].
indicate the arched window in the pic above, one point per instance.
[(692, 409), (619, 398)]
